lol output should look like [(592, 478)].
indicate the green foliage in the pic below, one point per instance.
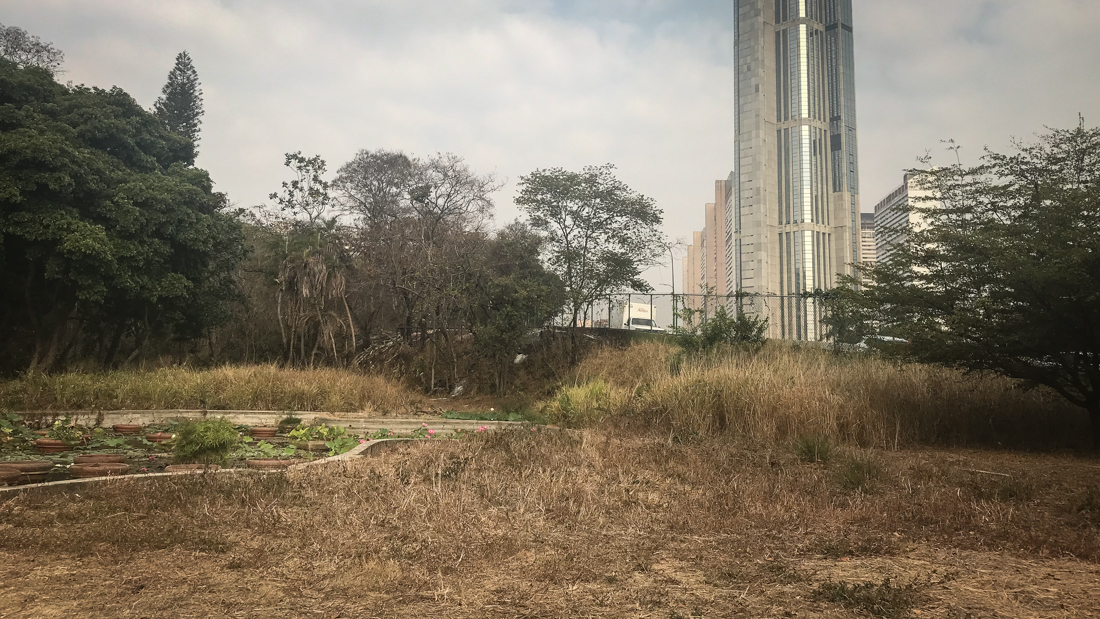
[(501, 416), (65, 430), (250, 449), (720, 329), (107, 237), (600, 234), (580, 405), (288, 422), (1003, 274), (814, 448), (180, 104), (205, 442), (317, 433), (341, 444), (884, 599)]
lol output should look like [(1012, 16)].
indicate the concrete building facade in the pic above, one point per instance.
[(867, 248), (894, 217), (793, 214)]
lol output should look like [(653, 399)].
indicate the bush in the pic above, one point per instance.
[(204, 442), (721, 329), (583, 405)]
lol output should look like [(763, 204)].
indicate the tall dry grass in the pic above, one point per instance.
[(262, 387), (784, 392)]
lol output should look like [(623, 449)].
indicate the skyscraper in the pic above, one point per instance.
[(794, 207), (867, 238)]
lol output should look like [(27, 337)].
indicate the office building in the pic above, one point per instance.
[(793, 214), (895, 219), (867, 247)]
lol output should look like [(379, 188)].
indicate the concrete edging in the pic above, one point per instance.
[(356, 451)]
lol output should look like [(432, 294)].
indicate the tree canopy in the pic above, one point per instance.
[(26, 50), (1004, 275), (105, 230), (180, 104), (600, 234)]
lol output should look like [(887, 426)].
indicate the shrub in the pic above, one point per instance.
[(583, 405), (205, 442), (742, 330)]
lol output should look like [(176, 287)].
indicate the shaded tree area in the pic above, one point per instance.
[(111, 245), (1002, 273)]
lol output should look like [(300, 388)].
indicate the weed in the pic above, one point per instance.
[(1089, 506), (884, 599), (859, 473), (813, 448), (206, 442)]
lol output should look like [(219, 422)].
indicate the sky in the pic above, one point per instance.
[(518, 85)]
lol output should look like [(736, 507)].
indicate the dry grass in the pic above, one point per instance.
[(226, 388), (783, 393), (566, 524)]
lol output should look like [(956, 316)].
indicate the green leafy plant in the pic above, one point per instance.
[(703, 335), (102, 440), (289, 422), (342, 444), (67, 431), (251, 449), (205, 442), (317, 433), (13, 430)]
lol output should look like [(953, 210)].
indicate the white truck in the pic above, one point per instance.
[(634, 316)]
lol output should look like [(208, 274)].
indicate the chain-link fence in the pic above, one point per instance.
[(790, 317)]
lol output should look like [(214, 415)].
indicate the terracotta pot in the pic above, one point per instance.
[(33, 470), (270, 464), (9, 475), (103, 469), (126, 428), (42, 432), (191, 468), (99, 459), (263, 431), (50, 445), (158, 437)]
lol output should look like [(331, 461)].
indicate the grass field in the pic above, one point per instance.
[(565, 523)]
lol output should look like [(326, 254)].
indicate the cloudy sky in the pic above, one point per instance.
[(515, 85)]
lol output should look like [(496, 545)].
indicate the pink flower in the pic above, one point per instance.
[(152, 457), (482, 429), (144, 470), (362, 440), (423, 425), (431, 432)]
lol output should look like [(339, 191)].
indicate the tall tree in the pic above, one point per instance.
[(1005, 274), (105, 234), (600, 234), (27, 50), (180, 104)]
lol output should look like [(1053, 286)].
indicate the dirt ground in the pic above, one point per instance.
[(571, 524)]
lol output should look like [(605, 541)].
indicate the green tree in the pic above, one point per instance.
[(180, 104), (27, 50), (600, 234), (1005, 274), (104, 229)]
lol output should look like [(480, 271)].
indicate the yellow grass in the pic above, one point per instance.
[(783, 392), (590, 523), (227, 388)]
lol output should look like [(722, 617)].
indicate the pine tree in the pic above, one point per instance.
[(180, 104)]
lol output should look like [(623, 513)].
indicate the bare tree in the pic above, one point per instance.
[(27, 50)]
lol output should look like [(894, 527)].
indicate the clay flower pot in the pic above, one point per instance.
[(158, 437), (263, 431), (270, 464), (9, 475), (50, 445), (42, 432), (102, 469), (32, 470), (99, 459), (191, 468), (126, 428)]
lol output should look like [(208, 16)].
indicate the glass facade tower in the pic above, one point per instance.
[(795, 199)]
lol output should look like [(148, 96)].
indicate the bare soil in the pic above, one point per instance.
[(571, 524)]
